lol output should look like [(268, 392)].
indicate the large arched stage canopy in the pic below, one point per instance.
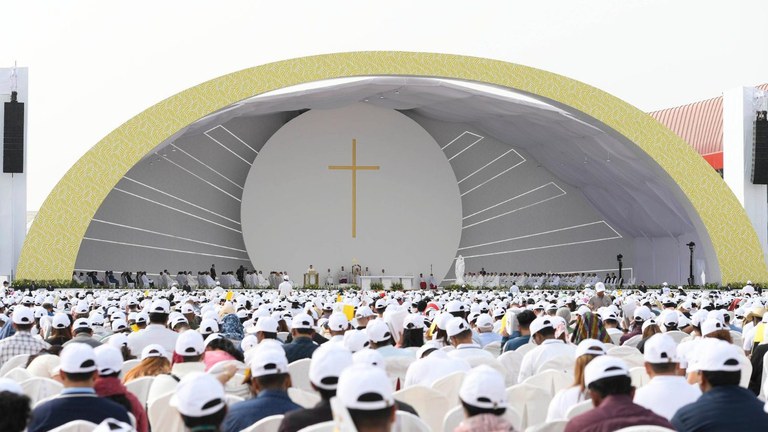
[(551, 174)]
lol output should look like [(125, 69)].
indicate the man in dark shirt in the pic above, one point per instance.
[(78, 400), (524, 318), (723, 406), (642, 313), (611, 391), (302, 345)]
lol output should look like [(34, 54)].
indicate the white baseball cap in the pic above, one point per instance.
[(647, 323), (484, 321), (208, 326), (642, 313), (413, 321), (187, 308), (119, 324), (198, 395), (268, 361), (160, 306), (483, 387), (669, 317), (541, 323), (302, 321), (23, 315), (190, 343), (118, 340), (599, 287), (60, 321), (660, 348), (455, 306), (77, 358), (369, 357), (364, 387), (363, 312), (716, 355), (326, 366), (456, 325), (604, 367), (9, 385), (153, 350), (590, 346), (248, 342), (338, 322), (112, 425), (378, 331), (109, 360), (81, 323), (265, 324), (711, 325), (355, 340), (142, 317)]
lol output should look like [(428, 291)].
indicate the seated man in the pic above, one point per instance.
[(724, 405), (611, 391), (78, 400), (543, 333), (667, 391), (302, 346), (484, 398), (327, 364), (22, 342), (524, 319), (201, 401), (366, 392), (269, 383), (460, 336)]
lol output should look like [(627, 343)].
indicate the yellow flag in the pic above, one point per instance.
[(134, 327), (338, 298), (349, 311), (432, 329), (230, 294), (146, 293), (503, 323)]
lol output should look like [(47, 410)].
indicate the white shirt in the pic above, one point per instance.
[(164, 384), (665, 394), (548, 349), (431, 368), (152, 334), (467, 351), (563, 401), (285, 288)]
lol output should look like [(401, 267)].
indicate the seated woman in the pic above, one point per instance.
[(219, 349), (154, 362), (586, 351)]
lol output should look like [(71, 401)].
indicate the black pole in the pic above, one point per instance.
[(621, 279), (691, 281)]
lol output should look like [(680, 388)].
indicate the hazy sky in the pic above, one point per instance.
[(94, 64)]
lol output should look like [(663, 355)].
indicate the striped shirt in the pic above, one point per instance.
[(20, 343)]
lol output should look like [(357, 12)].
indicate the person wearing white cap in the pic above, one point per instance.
[(190, 346), (586, 351), (382, 341), (201, 401), (543, 333), (485, 333), (366, 392), (269, 381), (302, 346), (724, 405), (265, 328), (154, 361), (78, 400), (15, 406), (600, 299), (328, 362), (667, 391), (83, 333), (363, 315), (109, 362), (610, 388), (432, 364), (156, 332), (337, 325), (22, 342), (60, 331), (285, 287), (484, 399), (460, 335), (640, 315)]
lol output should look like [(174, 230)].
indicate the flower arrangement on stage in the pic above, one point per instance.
[(396, 286), (377, 286)]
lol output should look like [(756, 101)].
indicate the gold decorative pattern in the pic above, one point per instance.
[(53, 242)]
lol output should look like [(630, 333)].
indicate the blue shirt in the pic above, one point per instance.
[(516, 343), (266, 403), (75, 404), (300, 348), (723, 408)]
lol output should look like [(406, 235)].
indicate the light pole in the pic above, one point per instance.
[(691, 247), (619, 257)]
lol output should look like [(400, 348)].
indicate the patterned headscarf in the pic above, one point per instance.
[(231, 328), (589, 326)]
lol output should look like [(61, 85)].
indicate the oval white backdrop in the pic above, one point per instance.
[(297, 205)]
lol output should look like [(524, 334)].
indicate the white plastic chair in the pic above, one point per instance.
[(511, 361), (645, 428), (307, 399), (763, 389), (329, 426), (76, 426), (530, 402), (456, 415), (553, 426), (633, 341), (140, 388), (267, 424), (128, 365), (493, 348), (551, 381), (163, 417), (579, 408), (18, 374), (616, 338), (231, 399), (525, 348), (299, 371), (562, 363), (406, 421), (283, 336), (639, 376), (396, 368), (449, 387), (14, 362), (631, 355), (39, 388), (430, 404), (736, 338), (746, 372), (677, 335)]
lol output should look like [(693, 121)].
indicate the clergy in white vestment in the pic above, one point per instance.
[(285, 287)]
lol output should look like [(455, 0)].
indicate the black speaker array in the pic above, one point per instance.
[(13, 137), (760, 151)]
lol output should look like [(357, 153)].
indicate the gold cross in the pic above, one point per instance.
[(354, 168)]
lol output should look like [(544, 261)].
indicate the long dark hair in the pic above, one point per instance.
[(412, 338)]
